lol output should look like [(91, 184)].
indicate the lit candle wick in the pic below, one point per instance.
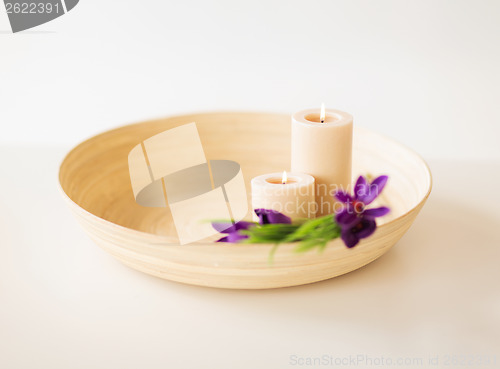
[(284, 178), (323, 113)]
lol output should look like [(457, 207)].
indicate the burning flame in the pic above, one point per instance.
[(323, 113), (284, 178)]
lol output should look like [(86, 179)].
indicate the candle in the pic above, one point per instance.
[(322, 147), (289, 193)]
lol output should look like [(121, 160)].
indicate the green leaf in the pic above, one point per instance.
[(310, 234), (269, 233)]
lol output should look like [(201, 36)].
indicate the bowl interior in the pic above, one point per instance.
[(95, 174)]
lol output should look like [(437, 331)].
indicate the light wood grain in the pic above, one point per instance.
[(94, 180)]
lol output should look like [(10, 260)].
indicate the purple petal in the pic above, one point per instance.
[(380, 182), (350, 239), (235, 237), (360, 188), (223, 239), (377, 212), (269, 216), (278, 218), (369, 198), (346, 218), (243, 225), (224, 227), (230, 228), (343, 196), (368, 227), (374, 189)]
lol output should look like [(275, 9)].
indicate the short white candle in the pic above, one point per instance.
[(289, 193), (322, 147)]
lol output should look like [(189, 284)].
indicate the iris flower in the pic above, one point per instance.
[(355, 220)]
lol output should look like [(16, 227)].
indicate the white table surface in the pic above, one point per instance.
[(65, 303)]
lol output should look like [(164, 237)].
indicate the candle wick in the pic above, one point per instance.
[(322, 121)]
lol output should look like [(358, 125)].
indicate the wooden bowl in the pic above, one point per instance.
[(94, 179)]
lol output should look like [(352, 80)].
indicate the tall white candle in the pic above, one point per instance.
[(322, 147), (292, 195)]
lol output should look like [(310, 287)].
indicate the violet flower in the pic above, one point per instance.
[(266, 216), (232, 230), (357, 222), (269, 216)]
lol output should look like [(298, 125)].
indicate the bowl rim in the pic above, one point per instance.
[(142, 234)]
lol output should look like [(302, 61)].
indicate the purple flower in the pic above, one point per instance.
[(266, 216), (232, 230), (357, 222)]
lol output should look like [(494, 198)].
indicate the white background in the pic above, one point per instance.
[(423, 72)]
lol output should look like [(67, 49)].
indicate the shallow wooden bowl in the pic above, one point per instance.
[(95, 181)]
